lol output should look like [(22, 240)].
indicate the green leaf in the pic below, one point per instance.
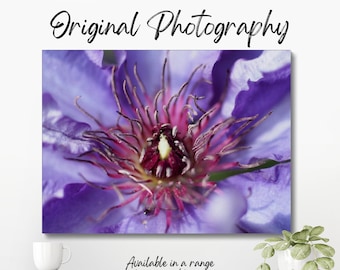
[(268, 252), (287, 235), (325, 263), (311, 265), (317, 230), (222, 175), (300, 251), (325, 249), (263, 266), (273, 239), (260, 246), (318, 238), (300, 236), (307, 227), (282, 245)]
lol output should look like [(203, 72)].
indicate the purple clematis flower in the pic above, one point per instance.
[(166, 141)]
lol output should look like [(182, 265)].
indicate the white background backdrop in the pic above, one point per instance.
[(313, 39)]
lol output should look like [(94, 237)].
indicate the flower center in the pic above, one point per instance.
[(165, 155), (164, 147)]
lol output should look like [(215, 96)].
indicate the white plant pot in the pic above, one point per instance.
[(286, 262)]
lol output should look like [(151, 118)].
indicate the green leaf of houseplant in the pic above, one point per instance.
[(307, 227), (317, 230), (260, 246), (268, 252), (325, 249), (300, 237), (311, 265), (325, 263), (282, 245), (318, 238), (263, 266), (287, 235), (300, 251), (273, 239)]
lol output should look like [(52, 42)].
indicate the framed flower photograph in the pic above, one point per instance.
[(166, 142)]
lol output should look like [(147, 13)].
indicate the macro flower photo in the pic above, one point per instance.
[(166, 142)]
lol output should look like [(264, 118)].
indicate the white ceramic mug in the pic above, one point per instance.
[(50, 255)]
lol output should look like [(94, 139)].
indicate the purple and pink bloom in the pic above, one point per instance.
[(177, 142)]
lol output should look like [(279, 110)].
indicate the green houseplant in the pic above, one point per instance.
[(306, 248)]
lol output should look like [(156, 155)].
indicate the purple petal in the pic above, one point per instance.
[(96, 56), (61, 132), (220, 214), (262, 73), (68, 74), (57, 171), (269, 199), (181, 66), (79, 209), (183, 63), (257, 87), (224, 210), (224, 65), (149, 66), (271, 139), (264, 94)]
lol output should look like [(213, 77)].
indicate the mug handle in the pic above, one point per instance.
[(69, 254)]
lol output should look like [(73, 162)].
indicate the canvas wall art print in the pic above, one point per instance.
[(166, 142)]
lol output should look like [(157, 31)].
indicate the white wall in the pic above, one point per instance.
[(312, 37)]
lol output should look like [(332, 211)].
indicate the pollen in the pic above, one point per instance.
[(164, 147)]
